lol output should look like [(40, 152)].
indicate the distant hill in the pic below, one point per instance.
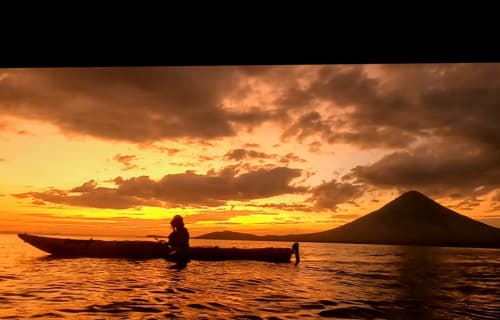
[(410, 219)]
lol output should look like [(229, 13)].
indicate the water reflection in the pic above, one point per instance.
[(419, 281), (332, 280)]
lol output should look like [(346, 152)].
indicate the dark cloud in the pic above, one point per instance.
[(126, 161), (437, 169), (333, 130), (387, 109), (329, 195), (307, 125), (86, 187), (145, 104), (256, 116), (251, 145), (284, 206), (185, 189), (466, 204), (393, 108), (2, 159), (169, 151), (441, 122), (246, 166), (240, 154), (200, 142), (291, 157), (136, 104), (96, 198), (295, 98), (438, 122), (456, 100)]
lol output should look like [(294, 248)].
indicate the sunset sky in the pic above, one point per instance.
[(258, 149)]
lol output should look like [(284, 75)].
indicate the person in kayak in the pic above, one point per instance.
[(178, 240)]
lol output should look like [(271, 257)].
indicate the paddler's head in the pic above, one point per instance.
[(177, 222)]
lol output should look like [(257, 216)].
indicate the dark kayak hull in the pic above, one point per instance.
[(148, 250)]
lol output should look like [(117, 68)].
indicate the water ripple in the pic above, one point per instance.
[(333, 280)]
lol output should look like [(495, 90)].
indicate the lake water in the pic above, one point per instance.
[(333, 280)]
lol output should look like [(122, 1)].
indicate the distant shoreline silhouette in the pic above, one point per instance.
[(410, 219)]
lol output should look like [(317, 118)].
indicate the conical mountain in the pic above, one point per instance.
[(410, 219)]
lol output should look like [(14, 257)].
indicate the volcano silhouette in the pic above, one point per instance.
[(410, 219)]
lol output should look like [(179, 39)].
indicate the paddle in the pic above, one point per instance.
[(171, 253)]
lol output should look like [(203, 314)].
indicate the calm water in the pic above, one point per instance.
[(332, 280)]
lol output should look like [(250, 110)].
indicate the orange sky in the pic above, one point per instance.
[(260, 149)]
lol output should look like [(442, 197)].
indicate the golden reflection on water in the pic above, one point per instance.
[(350, 281)]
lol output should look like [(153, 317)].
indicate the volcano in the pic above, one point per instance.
[(410, 219)]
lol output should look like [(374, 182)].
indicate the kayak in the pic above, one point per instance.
[(74, 248)]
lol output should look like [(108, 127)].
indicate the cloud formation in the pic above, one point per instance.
[(86, 187), (435, 125), (240, 154), (496, 201), (139, 104), (329, 195), (437, 169), (126, 161), (96, 198), (173, 190), (291, 157), (285, 206), (387, 108), (244, 154), (399, 103), (438, 124)]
